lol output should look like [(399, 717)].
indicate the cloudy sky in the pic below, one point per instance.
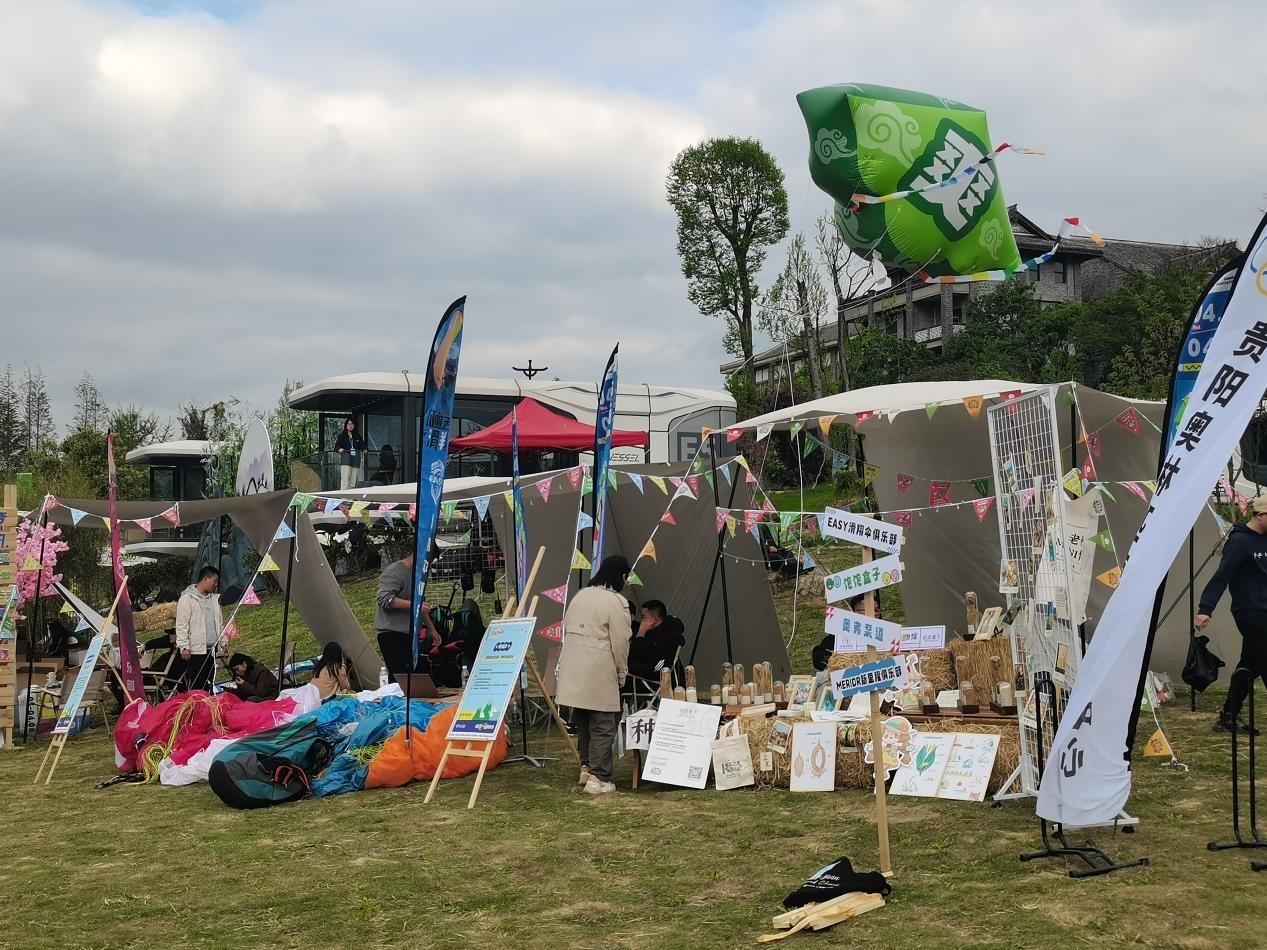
[(203, 199)]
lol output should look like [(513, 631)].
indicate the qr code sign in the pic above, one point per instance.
[(695, 772)]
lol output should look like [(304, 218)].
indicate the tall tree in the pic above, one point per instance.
[(37, 411), (294, 433), (89, 411), (731, 207), (849, 275), (12, 432), (792, 310)]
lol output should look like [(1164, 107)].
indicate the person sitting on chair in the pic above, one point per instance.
[(783, 562), (386, 473), (655, 643), (252, 680)]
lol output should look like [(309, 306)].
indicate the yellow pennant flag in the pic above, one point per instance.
[(509, 498), (730, 525), (105, 521), (869, 472), (1151, 486), (268, 564), (30, 564), (1073, 482), (973, 404), (705, 432), (357, 508), (1110, 578), (649, 551), (580, 562), (1158, 745), (743, 462), (658, 482), (824, 423)]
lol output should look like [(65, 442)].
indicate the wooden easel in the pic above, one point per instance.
[(877, 744), (482, 750), (58, 743)]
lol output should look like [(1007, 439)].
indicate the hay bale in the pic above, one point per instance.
[(935, 665), (985, 662), (158, 617), (1004, 763)]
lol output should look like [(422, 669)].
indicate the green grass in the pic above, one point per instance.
[(816, 498)]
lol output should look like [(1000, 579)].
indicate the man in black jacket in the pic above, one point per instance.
[(656, 641), (1243, 568)]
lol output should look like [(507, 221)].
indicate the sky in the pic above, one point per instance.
[(202, 200)]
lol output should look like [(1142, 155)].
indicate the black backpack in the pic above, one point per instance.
[(270, 767)]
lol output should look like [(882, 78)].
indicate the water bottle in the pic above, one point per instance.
[(465, 672), (382, 677)]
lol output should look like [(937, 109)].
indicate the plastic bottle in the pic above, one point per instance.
[(382, 677), (465, 673)]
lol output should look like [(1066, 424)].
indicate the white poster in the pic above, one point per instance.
[(924, 638), (1087, 779), (638, 728), (967, 774), (855, 632), (862, 529), (1082, 521), (813, 757), (852, 581), (922, 777), (682, 743)]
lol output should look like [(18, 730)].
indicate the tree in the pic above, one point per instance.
[(731, 207), (192, 420), (89, 412), (792, 310), (295, 434), (37, 412), (881, 357), (12, 432), (850, 276)]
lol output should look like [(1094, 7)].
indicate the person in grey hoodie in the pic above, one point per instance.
[(198, 625), (391, 620), (1243, 570)]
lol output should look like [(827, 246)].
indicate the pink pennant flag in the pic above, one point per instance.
[(903, 518), (667, 518), (50, 502), (552, 632), (693, 481), (938, 494), (732, 435), (1088, 469), (231, 630), (982, 507), (384, 509), (768, 506), (904, 482), (557, 594), (1135, 489), (250, 598), (1027, 498), (1128, 420), (862, 417), (675, 481), (413, 511), (575, 474), (1093, 443), (751, 517), (543, 488), (145, 524), (722, 515), (1009, 396), (749, 478), (172, 514)]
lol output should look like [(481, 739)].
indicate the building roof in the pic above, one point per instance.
[(177, 451)]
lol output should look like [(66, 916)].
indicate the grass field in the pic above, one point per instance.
[(539, 864)]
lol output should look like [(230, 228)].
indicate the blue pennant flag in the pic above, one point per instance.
[(283, 532), (584, 521), (76, 516), (636, 479), (481, 505), (332, 505)]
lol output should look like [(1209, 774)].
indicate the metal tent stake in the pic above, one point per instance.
[(1096, 861), (1254, 840)]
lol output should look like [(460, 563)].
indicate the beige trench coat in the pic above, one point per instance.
[(595, 657)]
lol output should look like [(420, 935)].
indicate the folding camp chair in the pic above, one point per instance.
[(642, 692), (161, 684)]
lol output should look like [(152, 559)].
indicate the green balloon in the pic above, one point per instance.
[(876, 140)]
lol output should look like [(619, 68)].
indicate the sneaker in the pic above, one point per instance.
[(1224, 724), (596, 786)]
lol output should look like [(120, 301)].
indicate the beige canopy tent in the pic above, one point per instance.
[(948, 552), (314, 592)]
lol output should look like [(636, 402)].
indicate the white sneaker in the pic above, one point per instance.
[(596, 786)]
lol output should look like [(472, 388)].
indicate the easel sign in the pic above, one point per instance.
[(492, 680), (71, 706)]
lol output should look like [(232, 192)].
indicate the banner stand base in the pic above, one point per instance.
[(1255, 839), (1096, 861)]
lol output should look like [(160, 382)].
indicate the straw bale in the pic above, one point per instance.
[(985, 662), (158, 617)]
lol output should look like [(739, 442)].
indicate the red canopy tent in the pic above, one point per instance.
[(539, 428)]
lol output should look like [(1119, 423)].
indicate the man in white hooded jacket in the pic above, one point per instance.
[(198, 625)]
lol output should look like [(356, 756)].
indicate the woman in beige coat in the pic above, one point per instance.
[(593, 666)]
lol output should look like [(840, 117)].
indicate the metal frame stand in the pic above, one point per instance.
[(1096, 861), (1255, 840), (536, 761)]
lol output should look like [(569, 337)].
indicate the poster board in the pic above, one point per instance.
[(492, 680), (967, 772), (922, 777), (813, 757), (862, 529), (681, 749), (71, 706)]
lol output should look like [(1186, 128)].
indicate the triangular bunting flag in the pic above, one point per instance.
[(481, 506), (384, 510), (861, 417), (973, 404), (931, 408), (810, 445), (552, 632), (31, 564), (648, 551), (283, 532), (76, 516), (1158, 745), (903, 518), (1073, 482), (750, 518), (743, 463), (360, 506), (557, 594), (50, 502), (332, 505), (1152, 487), (1069, 398), (230, 631), (708, 477), (611, 479), (667, 518), (786, 519), (105, 522), (764, 430), (938, 493), (824, 424), (904, 482), (587, 483), (145, 524), (725, 471), (1093, 443), (731, 524), (301, 500), (1088, 469), (249, 597), (749, 478), (795, 428), (1104, 540), (575, 474), (413, 511), (732, 435), (633, 580), (1010, 395), (466, 538), (267, 564), (1128, 420), (982, 507), (543, 488), (1107, 494), (869, 473), (172, 515), (981, 486), (637, 480), (446, 510), (692, 482), (584, 520), (658, 482), (767, 505), (1110, 578), (580, 562), (82, 625), (723, 515)]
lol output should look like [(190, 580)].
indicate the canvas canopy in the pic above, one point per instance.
[(948, 552), (539, 428), (315, 591)]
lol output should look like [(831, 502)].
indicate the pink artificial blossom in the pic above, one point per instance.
[(30, 537)]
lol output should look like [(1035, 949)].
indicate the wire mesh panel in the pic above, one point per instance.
[(1034, 572)]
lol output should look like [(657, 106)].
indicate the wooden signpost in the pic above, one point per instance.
[(8, 626), (61, 731), (481, 746), (877, 743)]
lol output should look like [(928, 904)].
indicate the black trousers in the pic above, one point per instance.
[(200, 671), (397, 651), (1253, 662)]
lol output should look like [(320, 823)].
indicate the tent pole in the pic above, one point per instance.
[(1073, 463), (1192, 610), (721, 553), (35, 626), (712, 578), (290, 573)]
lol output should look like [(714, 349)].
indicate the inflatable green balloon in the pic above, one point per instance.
[(875, 140)]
